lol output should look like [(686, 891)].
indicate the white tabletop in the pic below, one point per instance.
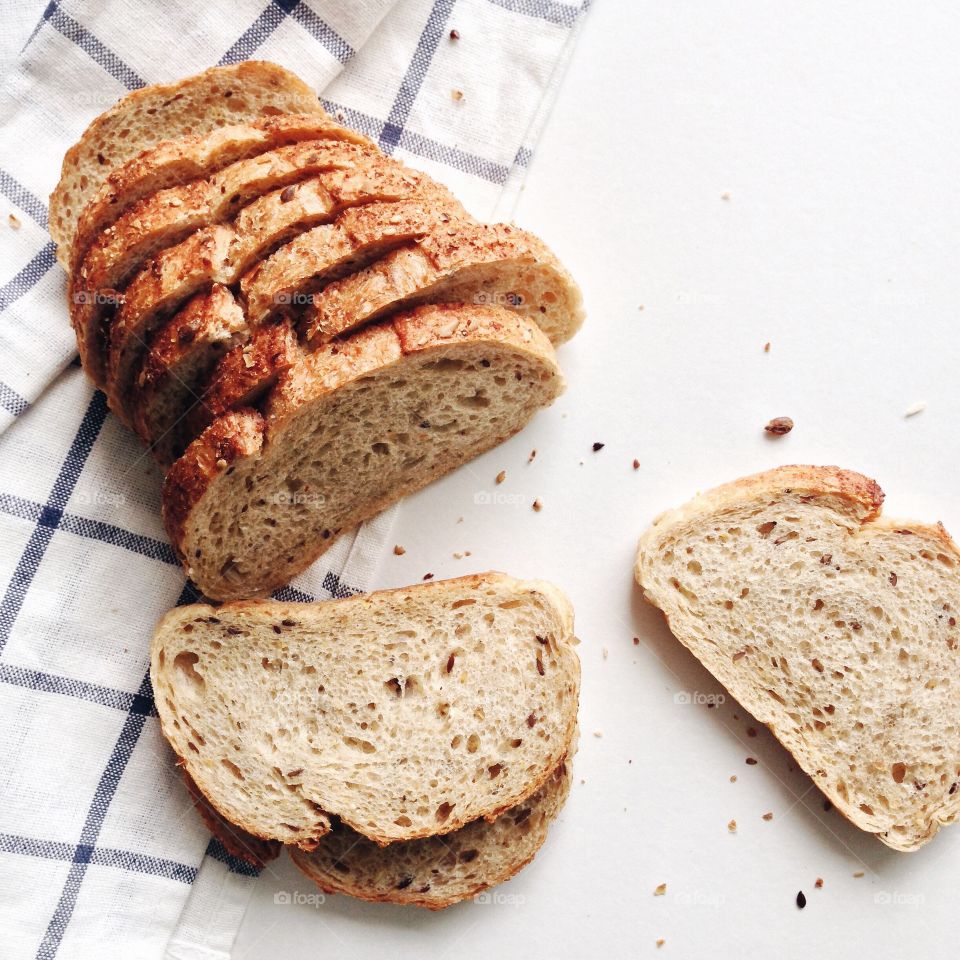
[(717, 176)]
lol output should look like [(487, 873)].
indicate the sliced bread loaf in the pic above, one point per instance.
[(437, 872), (405, 713), (353, 427), (222, 95), (492, 264), (836, 628), (167, 217)]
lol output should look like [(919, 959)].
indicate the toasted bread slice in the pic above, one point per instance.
[(180, 159), (349, 430), (219, 96), (836, 628), (492, 264), (222, 253), (167, 217), (181, 359), (437, 872), (402, 713)]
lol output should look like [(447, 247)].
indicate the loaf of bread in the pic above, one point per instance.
[(834, 626), (378, 734), (244, 269)]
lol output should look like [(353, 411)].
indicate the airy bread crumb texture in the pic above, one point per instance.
[(834, 627), (405, 714)]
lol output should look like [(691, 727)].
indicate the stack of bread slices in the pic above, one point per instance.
[(410, 746), (302, 329)]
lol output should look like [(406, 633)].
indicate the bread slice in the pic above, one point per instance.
[(437, 872), (492, 264), (180, 361), (835, 627), (219, 96), (349, 430), (180, 159), (167, 217), (403, 713), (222, 253)]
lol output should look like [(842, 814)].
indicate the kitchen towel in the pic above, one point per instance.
[(100, 853)]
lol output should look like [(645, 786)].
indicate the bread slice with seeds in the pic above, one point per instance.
[(179, 160), (222, 253), (167, 217), (832, 625), (222, 95), (402, 713), (437, 872), (352, 428), (493, 264)]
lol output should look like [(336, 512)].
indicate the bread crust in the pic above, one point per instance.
[(857, 501)]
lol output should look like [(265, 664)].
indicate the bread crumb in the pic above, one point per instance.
[(468, 553), (221, 464), (733, 778), (501, 476), (916, 408), (766, 347), (583, 780), (768, 816), (537, 505), (732, 826), (458, 556), (606, 653), (597, 447), (636, 464), (751, 761), (454, 34), (725, 195), (751, 731), (636, 641), (399, 551), (428, 576), (14, 222), (640, 308), (779, 426), (819, 882), (459, 519), (456, 94), (858, 874), (660, 890), (660, 942), (598, 733), (533, 454)]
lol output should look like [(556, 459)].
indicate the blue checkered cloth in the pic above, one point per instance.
[(100, 853)]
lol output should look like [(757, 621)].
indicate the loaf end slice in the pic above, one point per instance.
[(835, 627)]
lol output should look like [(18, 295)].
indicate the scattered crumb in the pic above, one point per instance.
[(636, 464), (501, 476), (751, 731), (660, 890), (454, 34), (766, 347), (827, 806), (733, 778), (819, 882), (640, 307), (606, 653), (598, 733), (768, 816), (458, 556), (468, 553), (725, 195), (399, 551), (858, 874), (459, 519), (660, 942), (456, 94), (14, 222), (532, 457), (428, 576), (918, 407), (598, 446), (778, 426), (636, 641), (583, 780), (732, 826), (801, 899), (736, 716), (751, 761), (537, 505), (221, 464)]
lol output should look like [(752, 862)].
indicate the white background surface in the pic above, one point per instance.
[(834, 127)]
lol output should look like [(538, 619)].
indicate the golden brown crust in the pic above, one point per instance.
[(235, 435)]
